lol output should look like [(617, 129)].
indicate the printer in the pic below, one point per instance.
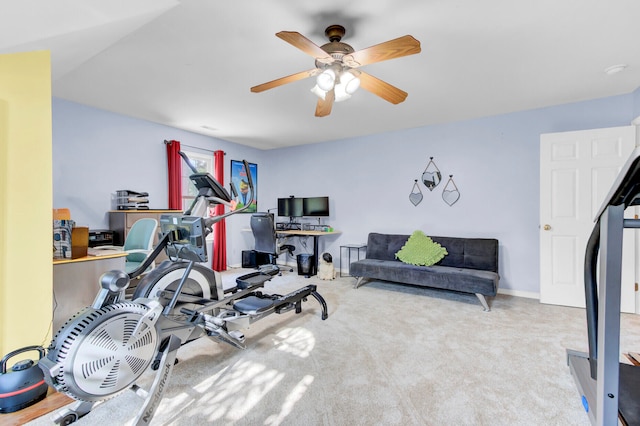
[(100, 237)]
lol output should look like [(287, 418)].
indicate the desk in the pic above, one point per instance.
[(76, 283), (314, 234)]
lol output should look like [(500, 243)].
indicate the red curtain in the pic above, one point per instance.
[(174, 167), (219, 260)]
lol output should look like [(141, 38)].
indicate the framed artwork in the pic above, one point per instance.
[(240, 181)]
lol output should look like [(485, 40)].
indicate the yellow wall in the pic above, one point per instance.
[(26, 269)]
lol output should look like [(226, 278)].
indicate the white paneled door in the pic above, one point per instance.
[(577, 170)]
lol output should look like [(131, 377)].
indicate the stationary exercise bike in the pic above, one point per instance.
[(104, 349)]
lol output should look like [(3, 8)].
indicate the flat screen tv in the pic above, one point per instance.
[(290, 207), (315, 206)]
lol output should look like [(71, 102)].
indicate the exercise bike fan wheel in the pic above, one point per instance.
[(97, 353)]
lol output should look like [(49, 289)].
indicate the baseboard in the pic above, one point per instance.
[(518, 293)]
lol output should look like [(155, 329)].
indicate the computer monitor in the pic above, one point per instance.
[(315, 206), (290, 207)]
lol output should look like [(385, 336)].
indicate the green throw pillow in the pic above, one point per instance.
[(421, 250)]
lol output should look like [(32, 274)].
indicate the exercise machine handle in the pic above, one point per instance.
[(625, 192), (186, 160), (164, 240), (210, 221)]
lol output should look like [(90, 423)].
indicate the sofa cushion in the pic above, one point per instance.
[(384, 246), (473, 253), (421, 250)]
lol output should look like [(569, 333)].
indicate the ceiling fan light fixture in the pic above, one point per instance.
[(340, 93), (351, 82), (326, 79), (346, 86), (316, 90)]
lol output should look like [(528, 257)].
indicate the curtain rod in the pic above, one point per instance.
[(166, 142)]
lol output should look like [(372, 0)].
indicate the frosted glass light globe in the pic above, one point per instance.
[(326, 79)]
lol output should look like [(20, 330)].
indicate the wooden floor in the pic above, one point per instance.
[(52, 402)]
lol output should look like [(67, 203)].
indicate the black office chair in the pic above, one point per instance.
[(266, 241)]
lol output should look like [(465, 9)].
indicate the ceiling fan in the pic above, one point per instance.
[(336, 67)]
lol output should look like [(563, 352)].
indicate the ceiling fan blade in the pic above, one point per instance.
[(396, 48), (381, 88), (284, 80), (307, 46), (323, 107)]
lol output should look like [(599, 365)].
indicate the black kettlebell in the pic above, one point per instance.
[(23, 385)]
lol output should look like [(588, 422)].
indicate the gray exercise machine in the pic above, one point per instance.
[(610, 390), (104, 349)]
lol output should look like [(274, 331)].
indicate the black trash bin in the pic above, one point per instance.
[(306, 264)]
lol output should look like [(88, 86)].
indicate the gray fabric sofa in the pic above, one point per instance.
[(471, 265)]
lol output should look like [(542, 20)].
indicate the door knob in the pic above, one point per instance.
[(547, 227)]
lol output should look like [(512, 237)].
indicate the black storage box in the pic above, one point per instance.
[(253, 259)]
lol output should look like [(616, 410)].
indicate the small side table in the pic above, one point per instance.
[(349, 248)]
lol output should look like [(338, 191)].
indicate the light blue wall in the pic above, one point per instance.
[(636, 103), (96, 153), (494, 162)]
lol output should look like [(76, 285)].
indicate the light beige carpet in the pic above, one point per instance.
[(387, 355)]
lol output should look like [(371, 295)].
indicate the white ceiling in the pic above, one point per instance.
[(190, 63)]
